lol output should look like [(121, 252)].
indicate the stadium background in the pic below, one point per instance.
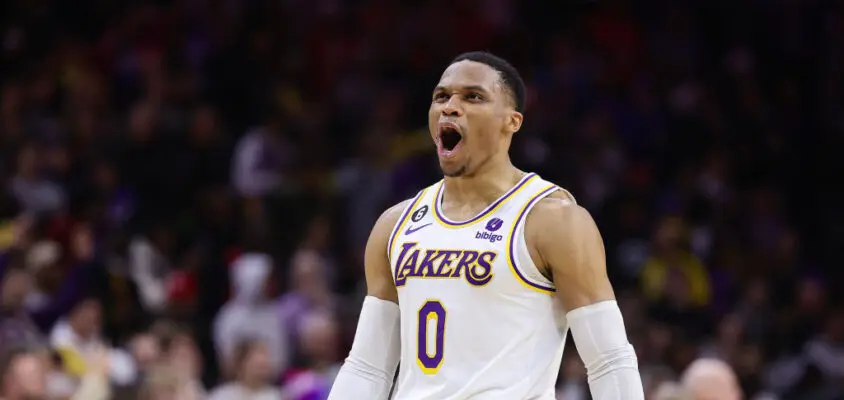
[(164, 160)]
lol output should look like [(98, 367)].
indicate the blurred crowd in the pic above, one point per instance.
[(188, 184)]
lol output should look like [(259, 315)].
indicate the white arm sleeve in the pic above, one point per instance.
[(600, 338), (369, 370)]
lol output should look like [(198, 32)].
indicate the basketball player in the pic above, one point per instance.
[(474, 283)]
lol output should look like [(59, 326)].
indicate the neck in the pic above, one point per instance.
[(485, 186)]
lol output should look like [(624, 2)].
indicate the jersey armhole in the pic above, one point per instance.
[(518, 255), (400, 224)]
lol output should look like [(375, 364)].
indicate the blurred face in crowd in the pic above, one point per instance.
[(16, 285), (256, 368), (319, 337), (145, 350), (185, 356), (669, 233), (26, 378), (708, 379), (86, 319), (308, 277), (472, 118)]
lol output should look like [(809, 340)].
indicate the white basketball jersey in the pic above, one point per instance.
[(478, 319)]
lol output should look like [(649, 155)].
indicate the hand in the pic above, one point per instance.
[(99, 360)]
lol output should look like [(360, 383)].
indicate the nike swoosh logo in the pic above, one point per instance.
[(411, 229)]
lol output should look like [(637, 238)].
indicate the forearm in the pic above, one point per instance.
[(601, 340), (368, 371)]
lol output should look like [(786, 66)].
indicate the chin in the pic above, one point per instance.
[(453, 171)]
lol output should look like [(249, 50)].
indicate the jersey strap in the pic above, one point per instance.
[(529, 277), (402, 221)]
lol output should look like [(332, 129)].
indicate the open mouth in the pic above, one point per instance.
[(450, 138)]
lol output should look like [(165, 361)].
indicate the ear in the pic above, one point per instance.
[(514, 121)]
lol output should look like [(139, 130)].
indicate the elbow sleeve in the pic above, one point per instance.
[(601, 340), (369, 370)]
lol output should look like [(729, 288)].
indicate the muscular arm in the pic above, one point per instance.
[(379, 276), (571, 250), (368, 371)]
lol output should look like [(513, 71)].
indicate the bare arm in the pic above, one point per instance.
[(368, 371), (571, 250), (379, 276)]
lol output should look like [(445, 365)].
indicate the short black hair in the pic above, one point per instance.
[(510, 77)]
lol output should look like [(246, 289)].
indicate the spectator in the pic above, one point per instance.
[(150, 266), (163, 383), (16, 328), (253, 377), (57, 285), (94, 384), (318, 341), (709, 379), (309, 292), (33, 192), (674, 280), (260, 158), (672, 273), (23, 375), (182, 355), (78, 339), (827, 350), (250, 314), (146, 351)]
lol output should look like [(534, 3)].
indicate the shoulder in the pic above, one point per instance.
[(555, 217), (557, 211), (381, 232), (390, 217)]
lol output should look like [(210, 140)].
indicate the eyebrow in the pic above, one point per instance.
[(470, 88)]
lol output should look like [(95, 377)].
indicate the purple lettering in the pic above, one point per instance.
[(465, 263), (408, 269), (404, 248), (426, 267), (430, 359), (480, 273)]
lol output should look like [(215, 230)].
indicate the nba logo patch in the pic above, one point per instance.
[(419, 214)]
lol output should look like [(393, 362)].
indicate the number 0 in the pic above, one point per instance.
[(430, 358)]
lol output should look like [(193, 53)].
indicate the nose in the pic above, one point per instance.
[(453, 107)]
